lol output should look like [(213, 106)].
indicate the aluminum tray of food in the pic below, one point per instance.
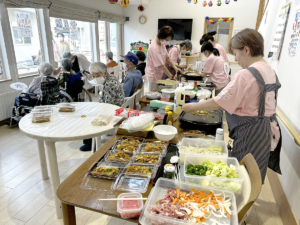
[(132, 140), (120, 157), (126, 147), (140, 170), (105, 170), (207, 121), (147, 159), (194, 133), (153, 148)]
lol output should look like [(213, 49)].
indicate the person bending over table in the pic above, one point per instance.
[(250, 102), (157, 58), (214, 67), (112, 91), (133, 76)]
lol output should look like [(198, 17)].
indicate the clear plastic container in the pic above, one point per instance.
[(138, 171), (186, 133), (130, 208), (42, 109), (160, 190), (147, 148), (139, 162), (132, 184), (165, 97), (231, 184), (102, 120), (120, 160), (132, 140), (41, 116), (66, 107), (107, 170), (202, 143), (126, 147)]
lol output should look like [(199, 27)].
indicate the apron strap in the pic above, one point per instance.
[(261, 82)]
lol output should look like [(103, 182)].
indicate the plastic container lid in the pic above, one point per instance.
[(130, 206), (174, 159), (169, 168)]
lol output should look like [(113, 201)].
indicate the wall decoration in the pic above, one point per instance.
[(73, 30), (139, 45), (58, 24), (141, 8), (65, 24), (195, 1), (24, 24), (219, 3), (219, 20), (124, 3), (295, 37), (210, 4), (204, 4), (227, 1), (142, 19), (280, 32), (19, 86), (113, 1), (189, 1)]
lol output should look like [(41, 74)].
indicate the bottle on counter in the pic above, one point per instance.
[(170, 119), (178, 100), (179, 76), (167, 109), (169, 171), (195, 86), (219, 134)]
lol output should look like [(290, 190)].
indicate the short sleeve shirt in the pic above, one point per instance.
[(214, 67), (222, 51), (174, 54), (156, 57)]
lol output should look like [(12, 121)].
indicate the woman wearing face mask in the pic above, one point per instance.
[(175, 54), (112, 91), (157, 58), (250, 102), (63, 45), (214, 67)]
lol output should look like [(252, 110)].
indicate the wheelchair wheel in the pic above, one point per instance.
[(65, 97), (88, 94)]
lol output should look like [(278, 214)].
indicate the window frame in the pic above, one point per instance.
[(218, 27)]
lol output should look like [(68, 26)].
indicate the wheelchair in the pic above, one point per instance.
[(71, 85)]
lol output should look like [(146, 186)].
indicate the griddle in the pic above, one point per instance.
[(208, 124), (192, 77)]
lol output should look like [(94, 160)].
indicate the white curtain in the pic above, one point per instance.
[(27, 3), (71, 11), (111, 18)]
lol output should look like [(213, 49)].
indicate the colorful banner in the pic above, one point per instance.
[(24, 24), (65, 24), (73, 30), (294, 42), (219, 20), (58, 23)]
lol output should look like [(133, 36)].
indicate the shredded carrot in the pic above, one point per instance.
[(202, 219), (178, 192), (191, 212), (156, 202), (207, 213), (175, 201), (198, 220), (193, 190), (228, 215)]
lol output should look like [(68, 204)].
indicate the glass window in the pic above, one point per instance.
[(102, 39), (26, 39), (1, 69), (70, 36), (224, 29), (113, 40)]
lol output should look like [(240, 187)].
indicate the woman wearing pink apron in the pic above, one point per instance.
[(157, 57), (175, 54), (250, 102)]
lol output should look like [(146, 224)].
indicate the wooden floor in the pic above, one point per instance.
[(27, 199)]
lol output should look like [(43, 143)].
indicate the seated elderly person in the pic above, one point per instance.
[(45, 69), (112, 91), (133, 76), (110, 63)]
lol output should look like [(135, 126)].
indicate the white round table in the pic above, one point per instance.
[(65, 126)]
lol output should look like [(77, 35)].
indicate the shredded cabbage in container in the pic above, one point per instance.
[(197, 149)]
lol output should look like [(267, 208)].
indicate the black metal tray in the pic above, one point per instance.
[(192, 77), (206, 124)]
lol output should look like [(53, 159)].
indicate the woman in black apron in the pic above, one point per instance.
[(250, 101)]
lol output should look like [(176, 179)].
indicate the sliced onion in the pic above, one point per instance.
[(187, 210)]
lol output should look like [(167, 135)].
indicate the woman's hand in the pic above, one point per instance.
[(177, 69), (188, 107), (184, 66)]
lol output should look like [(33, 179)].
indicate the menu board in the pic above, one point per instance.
[(295, 36), (24, 24), (280, 32)]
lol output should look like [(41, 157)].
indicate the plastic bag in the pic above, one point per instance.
[(138, 123)]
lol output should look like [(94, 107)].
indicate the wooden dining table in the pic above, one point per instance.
[(80, 190)]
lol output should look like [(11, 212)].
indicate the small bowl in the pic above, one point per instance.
[(170, 92), (202, 85), (165, 132)]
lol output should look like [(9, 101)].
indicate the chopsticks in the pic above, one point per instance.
[(116, 199)]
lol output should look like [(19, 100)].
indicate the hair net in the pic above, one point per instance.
[(46, 69), (98, 67), (109, 55), (68, 55), (67, 64)]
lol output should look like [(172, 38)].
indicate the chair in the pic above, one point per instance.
[(129, 102), (251, 187), (116, 70), (138, 95)]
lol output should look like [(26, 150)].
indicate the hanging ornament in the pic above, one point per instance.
[(195, 1), (124, 3), (210, 4), (219, 3), (189, 1), (141, 8), (113, 1), (227, 1), (204, 4), (140, 48)]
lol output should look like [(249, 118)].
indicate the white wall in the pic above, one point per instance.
[(244, 13), (287, 67)]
